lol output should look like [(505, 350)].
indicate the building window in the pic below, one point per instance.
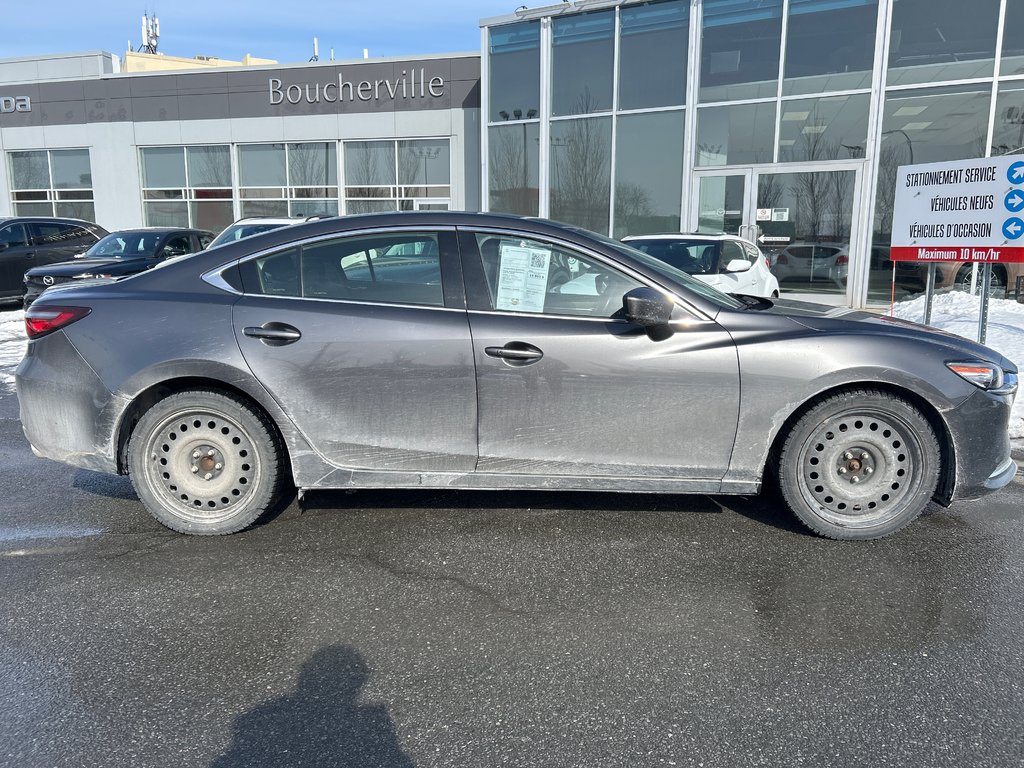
[(736, 135), (648, 172), (933, 42), (829, 128), (653, 46), (513, 168), (1008, 135), (583, 49), (842, 65), (740, 53), (927, 125), (580, 176), (187, 186), (405, 175), (514, 64), (55, 182), (288, 179), (1013, 40)]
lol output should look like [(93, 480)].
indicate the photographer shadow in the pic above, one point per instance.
[(321, 724)]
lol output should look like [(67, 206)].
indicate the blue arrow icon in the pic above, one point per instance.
[(1013, 228), (1014, 201), (1015, 173)]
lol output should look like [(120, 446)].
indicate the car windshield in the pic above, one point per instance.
[(241, 231), (126, 245), (673, 274), (694, 257)]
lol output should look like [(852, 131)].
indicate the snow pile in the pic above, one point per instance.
[(12, 346), (957, 312)]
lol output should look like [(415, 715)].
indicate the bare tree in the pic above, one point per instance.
[(510, 172), (582, 171), (632, 205)]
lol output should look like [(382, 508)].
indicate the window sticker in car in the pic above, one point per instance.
[(522, 278)]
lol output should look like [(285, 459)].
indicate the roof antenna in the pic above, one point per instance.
[(150, 33), (316, 50)]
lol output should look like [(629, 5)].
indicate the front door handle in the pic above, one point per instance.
[(273, 334), (516, 352)]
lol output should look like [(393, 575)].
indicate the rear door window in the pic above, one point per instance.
[(392, 268), (13, 236)]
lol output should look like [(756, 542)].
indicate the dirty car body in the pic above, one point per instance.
[(438, 349)]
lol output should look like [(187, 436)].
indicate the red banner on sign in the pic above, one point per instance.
[(982, 254)]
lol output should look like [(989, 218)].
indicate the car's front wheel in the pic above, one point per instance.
[(206, 462), (860, 464)]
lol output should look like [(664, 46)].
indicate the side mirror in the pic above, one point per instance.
[(737, 265), (650, 309)]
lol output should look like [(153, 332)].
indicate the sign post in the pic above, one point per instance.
[(964, 211)]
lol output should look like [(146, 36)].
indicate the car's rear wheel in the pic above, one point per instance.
[(859, 465), (206, 462)]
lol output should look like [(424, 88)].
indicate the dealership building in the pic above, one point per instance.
[(782, 120)]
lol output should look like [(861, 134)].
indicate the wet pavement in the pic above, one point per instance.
[(524, 629)]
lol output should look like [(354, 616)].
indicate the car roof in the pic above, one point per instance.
[(63, 219), (158, 230), (709, 236)]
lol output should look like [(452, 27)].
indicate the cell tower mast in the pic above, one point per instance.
[(150, 33)]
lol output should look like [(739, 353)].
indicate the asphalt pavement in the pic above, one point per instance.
[(438, 628)]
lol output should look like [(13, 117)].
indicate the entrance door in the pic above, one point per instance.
[(721, 201), (801, 217)]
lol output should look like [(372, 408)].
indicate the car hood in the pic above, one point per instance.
[(92, 266), (828, 319)]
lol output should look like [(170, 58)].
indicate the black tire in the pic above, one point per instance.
[(859, 465), (996, 288), (207, 463)]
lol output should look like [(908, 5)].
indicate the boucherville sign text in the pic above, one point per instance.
[(965, 210), (411, 84)]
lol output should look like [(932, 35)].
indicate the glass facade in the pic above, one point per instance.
[(187, 186), (55, 182), (780, 120), (197, 186), (401, 175)]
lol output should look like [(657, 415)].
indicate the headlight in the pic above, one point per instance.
[(985, 376)]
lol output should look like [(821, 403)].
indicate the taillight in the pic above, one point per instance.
[(842, 260), (40, 321), (767, 263)]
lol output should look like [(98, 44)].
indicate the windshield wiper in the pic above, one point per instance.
[(756, 303)]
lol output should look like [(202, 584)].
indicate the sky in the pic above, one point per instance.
[(273, 29)]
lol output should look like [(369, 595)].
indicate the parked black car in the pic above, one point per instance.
[(28, 241), (126, 252)]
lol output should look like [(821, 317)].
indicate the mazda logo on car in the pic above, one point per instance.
[(48, 280)]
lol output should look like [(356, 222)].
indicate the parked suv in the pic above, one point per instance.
[(28, 241), (126, 252)]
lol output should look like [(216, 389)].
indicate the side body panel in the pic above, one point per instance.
[(372, 386), (605, 400)]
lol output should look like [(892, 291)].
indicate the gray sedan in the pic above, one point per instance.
[(466, 350)]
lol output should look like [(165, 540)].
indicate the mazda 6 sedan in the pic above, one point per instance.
[(459, 350)]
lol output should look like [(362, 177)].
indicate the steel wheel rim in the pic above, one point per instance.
[(859, 467), (202, 465)]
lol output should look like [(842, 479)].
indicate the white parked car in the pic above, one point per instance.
[(253, 225), (812, 262), (729, 263)]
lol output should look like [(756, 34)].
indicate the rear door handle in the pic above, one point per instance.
[(516, 352), (273, 334)]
